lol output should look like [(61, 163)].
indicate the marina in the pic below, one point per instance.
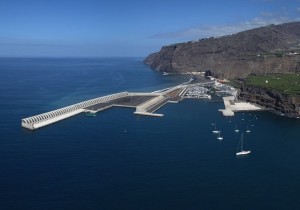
[(144, 103)]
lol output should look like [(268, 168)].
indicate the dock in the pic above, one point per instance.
[(144, 103), (232, 106)]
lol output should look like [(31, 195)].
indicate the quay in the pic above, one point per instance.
[(144, 103), (232, 106)]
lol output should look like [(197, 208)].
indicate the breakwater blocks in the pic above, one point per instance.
[(48, 118)]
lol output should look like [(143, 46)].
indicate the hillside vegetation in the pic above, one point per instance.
[(285, 83)]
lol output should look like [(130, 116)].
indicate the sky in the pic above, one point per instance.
[(104, 28)]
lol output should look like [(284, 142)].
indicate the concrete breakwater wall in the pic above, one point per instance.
[(145, 104), (47, 118)]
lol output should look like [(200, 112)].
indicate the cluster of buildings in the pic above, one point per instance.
[(224, 90)]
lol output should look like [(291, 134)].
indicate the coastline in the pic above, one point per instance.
[(271, 91), (244, 94)]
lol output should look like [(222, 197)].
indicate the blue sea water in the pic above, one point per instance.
[(118, 160)]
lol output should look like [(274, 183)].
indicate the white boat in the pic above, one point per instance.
[(241, 152), (215, 130), (236, 130), (248, 130), (220, 137)]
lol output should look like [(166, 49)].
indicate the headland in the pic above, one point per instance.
[(263, 63)]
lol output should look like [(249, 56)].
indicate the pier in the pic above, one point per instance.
[(231, 106), (144, 103)]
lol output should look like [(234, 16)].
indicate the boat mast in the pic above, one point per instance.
[(242, 142)]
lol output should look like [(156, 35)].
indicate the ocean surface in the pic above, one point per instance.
[(118, 160)]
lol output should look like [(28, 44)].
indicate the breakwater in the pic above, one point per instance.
[(145, 104)]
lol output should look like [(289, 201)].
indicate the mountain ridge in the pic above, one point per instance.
[(269, 49)]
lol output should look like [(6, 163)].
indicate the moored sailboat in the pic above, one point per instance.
[(242, 151), (248, 130), (215, 130), (236, 129), (220, 137)]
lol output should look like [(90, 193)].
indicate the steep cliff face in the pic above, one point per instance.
[(266, 49), (271, 99)]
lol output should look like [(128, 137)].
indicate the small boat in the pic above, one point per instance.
[(90, 114), (248, 130), (220, 137), (242, 152), (215, 130), (236, 129)]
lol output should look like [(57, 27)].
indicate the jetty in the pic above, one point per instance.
[(231, 106), (143, 103)]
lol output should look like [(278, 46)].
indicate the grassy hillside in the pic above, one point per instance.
[(285, 83)]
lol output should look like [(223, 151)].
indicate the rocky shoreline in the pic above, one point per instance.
[(272, 100), (267, 50)]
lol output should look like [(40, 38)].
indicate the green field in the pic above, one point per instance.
[(285, 83)]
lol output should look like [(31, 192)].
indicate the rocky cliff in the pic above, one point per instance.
[(274, 48), (274, 100)]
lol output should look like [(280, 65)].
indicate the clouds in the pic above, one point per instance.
[(265, 18)]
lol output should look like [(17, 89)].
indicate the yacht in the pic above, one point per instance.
[(240, 151)]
